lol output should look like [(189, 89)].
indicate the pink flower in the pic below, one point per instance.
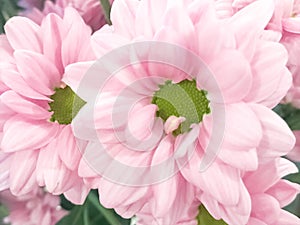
[(250, 78), (269, 193), (295, 153), (90, 10), (36, 106), (284, 26), (37, 208)]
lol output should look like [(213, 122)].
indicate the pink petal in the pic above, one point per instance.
[(22, 172), (140, 125), (277, 138), (101, 46), (74, 74), (291, 24), (149, 12), (184, 141), (5, 163), (77, 194), (268, 174), (114, 195), (163, 151), (41, 75), (164, 195), (76, 44), (123, 9), (284, 191), (17, 83), (212, 181), (265, 208), (30, 38), (295, 153), (69, 151), (23, 106), (271, 80), (51, 172), (236, 138), (84, 169), (254, 221), (53, 32), (244, 19), (236, 68), (287, 218), (244, 160), (240, 213), (20, 134)]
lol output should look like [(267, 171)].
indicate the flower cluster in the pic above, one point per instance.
[(36, 208), (167, 112)]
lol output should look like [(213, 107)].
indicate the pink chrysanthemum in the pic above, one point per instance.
[(37, 208), (36, 106), (269, 193), (250, 73), (284, 26), (90, 10)]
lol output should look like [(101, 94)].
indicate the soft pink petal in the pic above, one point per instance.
[(53, 32), (277, 138), (21, 134), (42, 75), (30, 38), (76, 44), (243, 20), (114, 195), (18, 84), (287, 218), (23, 106), (77, 194), (69, 150), (22, 172), (284, 191), (265, 208)]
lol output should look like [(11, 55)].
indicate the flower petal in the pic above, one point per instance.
[(30, 38), (21, 134)]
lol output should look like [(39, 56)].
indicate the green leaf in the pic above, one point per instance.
[(86, 219), (90, 213), (3, 212), (204, 218), (8, 9), (75, 217), (65, 203), (107, 213), (290, 114), (106, 8)]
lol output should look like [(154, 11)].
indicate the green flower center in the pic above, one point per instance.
[(65, 106), (204, 218), (183, 99)]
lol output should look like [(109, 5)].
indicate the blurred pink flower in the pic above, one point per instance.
[(37, 208), (252, 78), (35, 132), (90, 10), (28, 5), (284, 26), (270, 193)]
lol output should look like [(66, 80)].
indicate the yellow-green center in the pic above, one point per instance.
[(183, 99), (65, 106), (204, 218)]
